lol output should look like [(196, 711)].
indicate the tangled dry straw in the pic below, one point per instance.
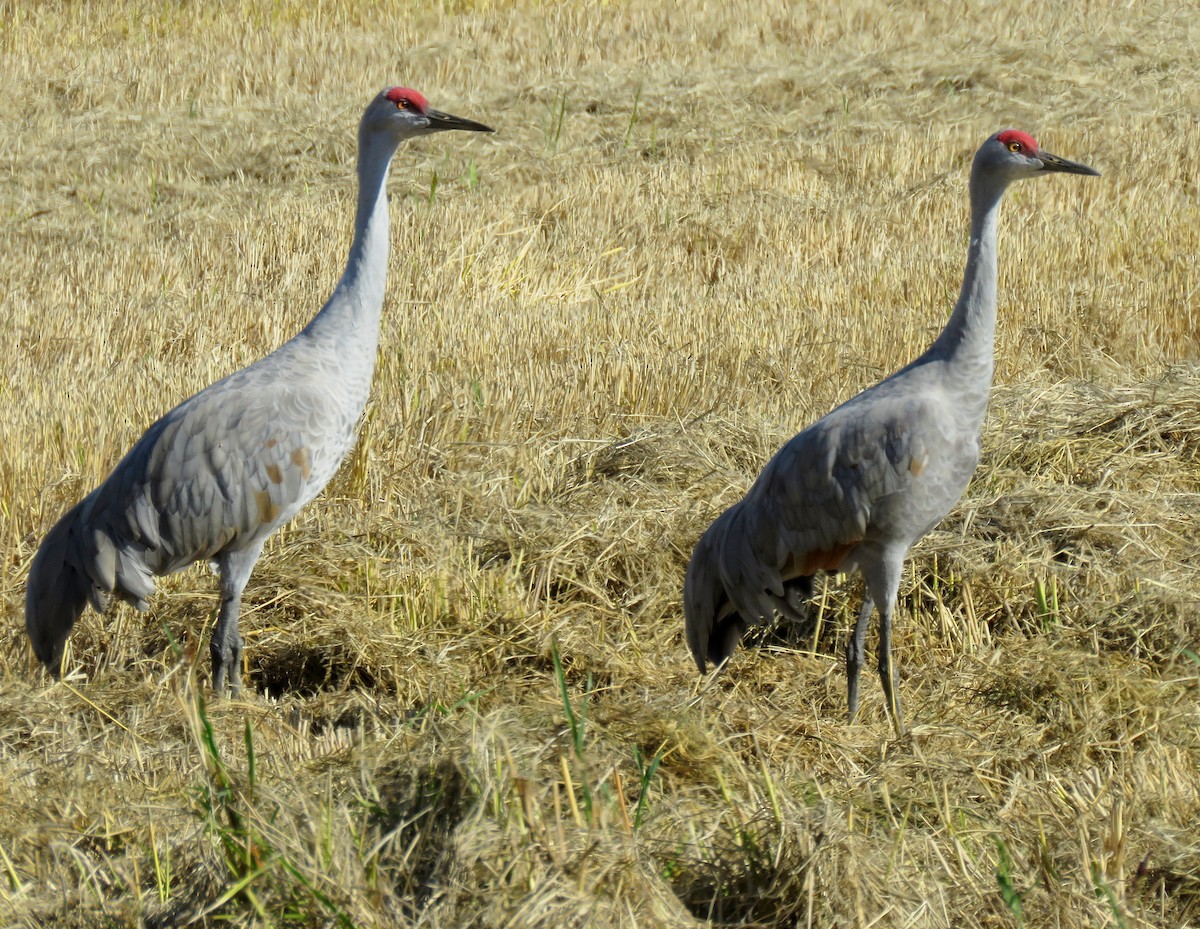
[(698, 229)]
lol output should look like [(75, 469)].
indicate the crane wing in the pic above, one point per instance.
[(219, 472), (225, 466), (813, 504)]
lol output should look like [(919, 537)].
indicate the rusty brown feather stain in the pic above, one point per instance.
[(270, 443), (819, 559), (301, 460), (274, 475), (267, 510), (916, 466)]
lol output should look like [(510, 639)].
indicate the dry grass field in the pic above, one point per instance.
[(697, 228)]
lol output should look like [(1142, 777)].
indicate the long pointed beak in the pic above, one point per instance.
[(1054, 163), (439, 121)]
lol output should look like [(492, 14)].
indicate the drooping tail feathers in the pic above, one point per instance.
[(731, 584), (79, 561)]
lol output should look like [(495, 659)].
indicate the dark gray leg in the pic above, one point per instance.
[(884, 581), (854, 653), (887, 673), (226, 647)]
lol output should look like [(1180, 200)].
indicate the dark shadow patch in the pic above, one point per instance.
[(416, 812), (1031, 696), (492, 553), (749, 874), (307, 671)]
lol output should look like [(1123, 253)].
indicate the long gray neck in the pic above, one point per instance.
[(967, 344), (351, 315)]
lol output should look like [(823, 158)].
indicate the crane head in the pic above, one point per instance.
[(1015, 154), (405, 113)]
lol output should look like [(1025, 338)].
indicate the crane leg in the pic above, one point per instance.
[(884, 582), (854, 653), (226, 647), (887, 675)]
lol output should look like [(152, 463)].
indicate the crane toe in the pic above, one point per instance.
[(226, 652)]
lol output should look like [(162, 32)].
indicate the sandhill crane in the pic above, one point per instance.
[(223, 470), (857, 488)]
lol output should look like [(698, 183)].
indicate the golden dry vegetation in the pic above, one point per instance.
[(699, 227)]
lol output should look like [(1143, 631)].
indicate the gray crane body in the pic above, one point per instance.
[(214, 477), (855, 490)]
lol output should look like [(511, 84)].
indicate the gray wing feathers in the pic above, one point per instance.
[(78, 562), (57, 590), (217, 472), (813, 502), (224, 472), (734, 579), (702, 596)]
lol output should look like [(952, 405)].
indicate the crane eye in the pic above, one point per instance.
[(402, 103), (1014, 146)]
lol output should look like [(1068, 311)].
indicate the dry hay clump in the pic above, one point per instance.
[(1101, 486)]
